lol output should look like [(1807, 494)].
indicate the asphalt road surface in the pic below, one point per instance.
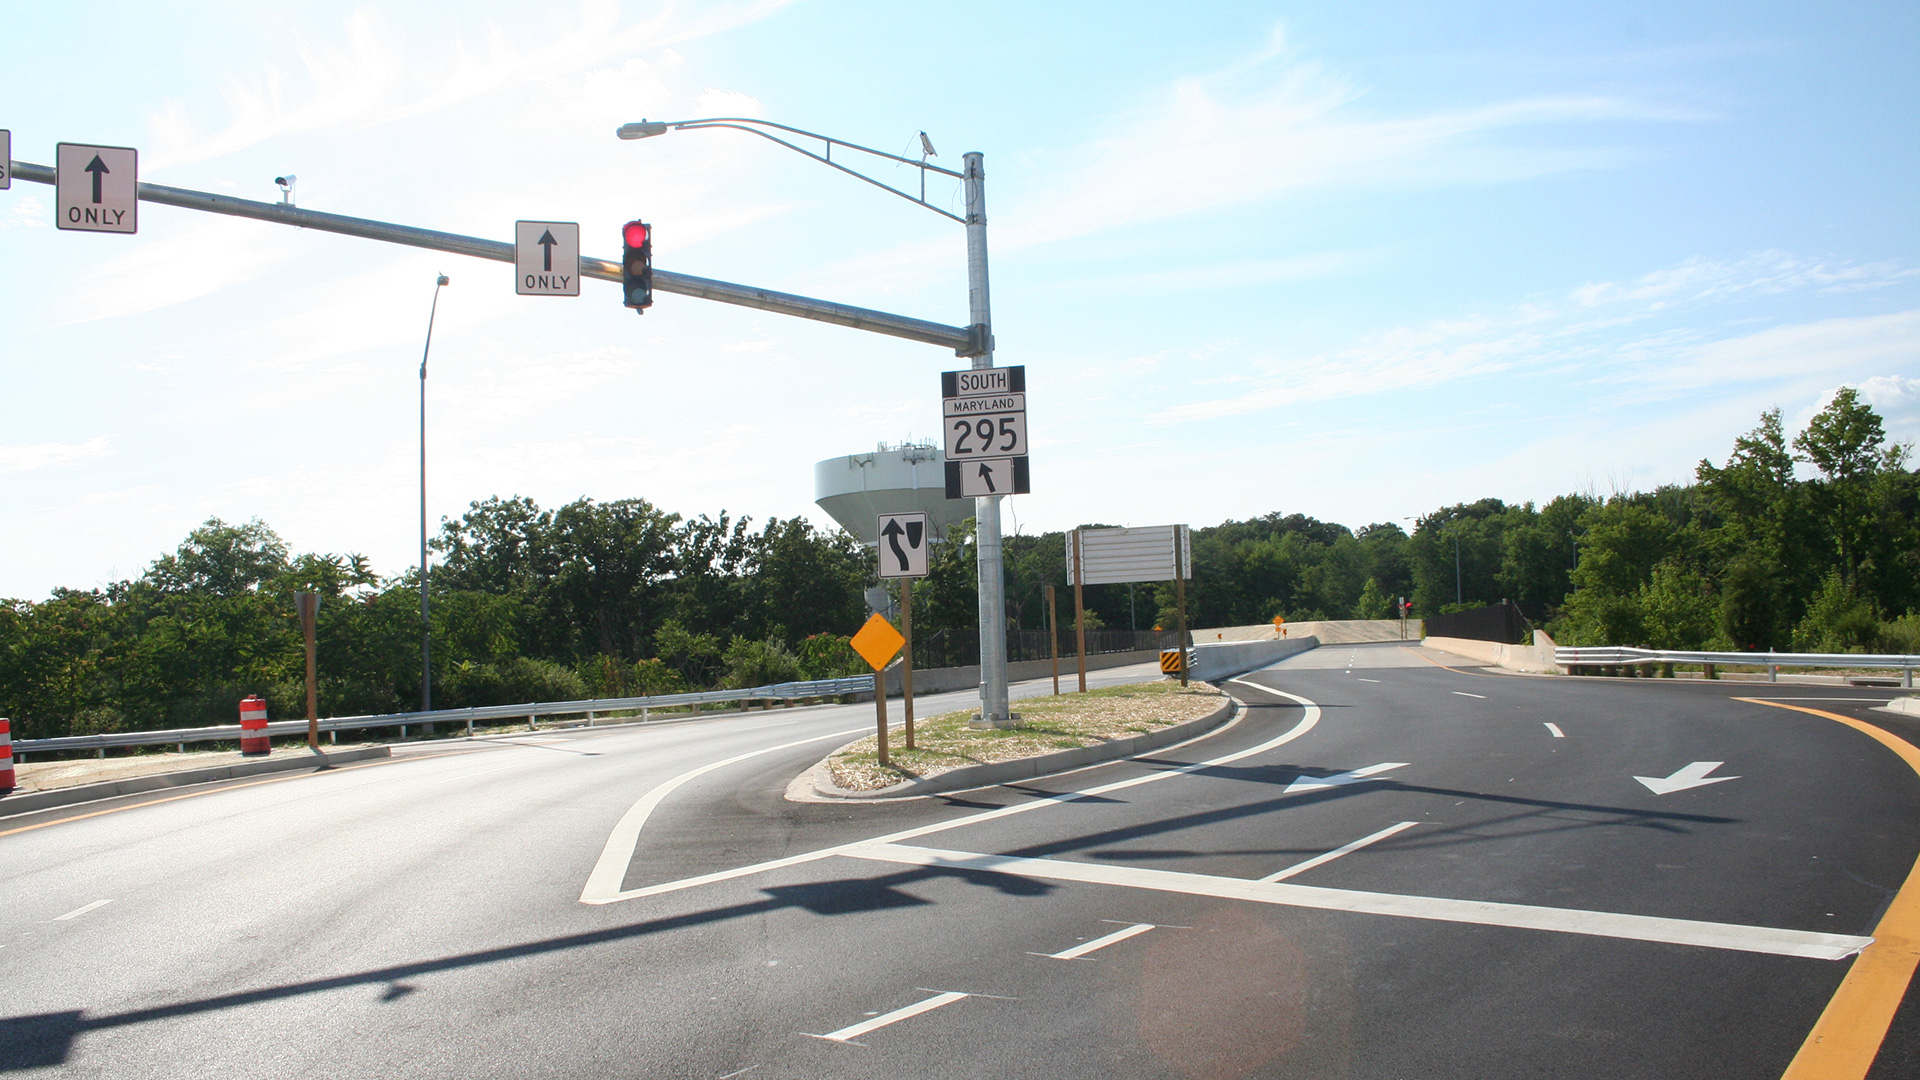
[(1381, 868)]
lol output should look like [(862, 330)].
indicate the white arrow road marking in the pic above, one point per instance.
[(1086, 947), (1555, 728), (854, 1031), (77, 912), (1315, 783), (1344, 849), (1689, 776)]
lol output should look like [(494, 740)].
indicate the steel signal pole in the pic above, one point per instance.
[(991, 573)]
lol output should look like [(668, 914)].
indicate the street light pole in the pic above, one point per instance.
[(426, 628)]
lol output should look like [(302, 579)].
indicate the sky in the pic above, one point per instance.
[(1352, 260)]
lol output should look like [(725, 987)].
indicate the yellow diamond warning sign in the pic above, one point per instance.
[(877, 642)]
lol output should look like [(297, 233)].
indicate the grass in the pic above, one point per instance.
[(1047, 724)]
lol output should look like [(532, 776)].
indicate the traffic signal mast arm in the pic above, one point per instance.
[(960, 339)]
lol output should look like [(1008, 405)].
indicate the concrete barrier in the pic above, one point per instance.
[(1536, 658), (24, 802), (1224, 659)]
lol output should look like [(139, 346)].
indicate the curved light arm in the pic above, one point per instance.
[(648, 128)]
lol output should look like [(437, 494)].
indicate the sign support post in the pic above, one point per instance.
[(1180, 596), (906, 655), (1053, 641), (1079, 609), (880, 709)]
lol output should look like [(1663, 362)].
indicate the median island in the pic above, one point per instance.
[(1048, 725)]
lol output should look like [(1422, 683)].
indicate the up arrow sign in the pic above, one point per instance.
[(1689, 776), (1315, 783)]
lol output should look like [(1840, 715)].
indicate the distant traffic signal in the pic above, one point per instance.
[(636, 268)]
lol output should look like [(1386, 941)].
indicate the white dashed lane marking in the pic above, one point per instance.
[(1344, 849), (79, 911), (854, 1031)]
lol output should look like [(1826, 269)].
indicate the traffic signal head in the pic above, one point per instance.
[(636, 266)]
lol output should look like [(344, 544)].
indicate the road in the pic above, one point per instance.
[(1383, 867)]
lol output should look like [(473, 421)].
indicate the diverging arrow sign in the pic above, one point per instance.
[(1315, 783), (1688, 776)]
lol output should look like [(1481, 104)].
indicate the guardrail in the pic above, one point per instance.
[(1611, 656), (529, 711)]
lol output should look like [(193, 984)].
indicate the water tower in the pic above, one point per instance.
[(855, 490)]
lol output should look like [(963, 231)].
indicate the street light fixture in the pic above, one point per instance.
[(426, 628), (992, 582)]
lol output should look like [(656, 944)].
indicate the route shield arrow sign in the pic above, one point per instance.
[(903, 545), (546, 258), (96, 188)]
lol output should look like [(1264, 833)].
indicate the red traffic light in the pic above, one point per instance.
[(635, 233)]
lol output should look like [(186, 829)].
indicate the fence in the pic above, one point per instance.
[(1500, 622), (1618, 656), (961, 647), (530, 711)]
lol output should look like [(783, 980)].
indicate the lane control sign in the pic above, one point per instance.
[(96, 188), (546, 258), (903, 545), (984, 418)]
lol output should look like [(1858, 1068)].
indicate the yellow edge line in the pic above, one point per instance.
[(230, 787), (1847, 1037)]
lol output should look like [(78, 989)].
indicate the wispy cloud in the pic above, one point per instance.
[(1278, 124), (18, 459), (201, 260), (366, 77), (1580, 340)]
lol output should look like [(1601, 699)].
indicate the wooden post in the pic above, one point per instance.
[(906, 654), (1180, 594), (1053, 641), (880, 708), (309, 608), (1080, 608)]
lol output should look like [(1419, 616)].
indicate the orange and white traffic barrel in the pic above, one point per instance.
[(253, 726), (6, 756)]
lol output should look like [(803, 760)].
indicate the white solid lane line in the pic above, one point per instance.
[(1712, 935), (1345, 849), (1463, 693), (1086, 947), (603, 885), (854, 1031), (77, 912), (1555, 728)]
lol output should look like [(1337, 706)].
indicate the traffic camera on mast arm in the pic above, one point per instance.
[(636, 267)]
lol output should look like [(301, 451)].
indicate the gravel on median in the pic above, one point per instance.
[(1047, 724)]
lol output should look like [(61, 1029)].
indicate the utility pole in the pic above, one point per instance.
[(1459, 596)]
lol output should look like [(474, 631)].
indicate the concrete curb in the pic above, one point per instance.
[(28, 802), (1905, 706), (999, 772)]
